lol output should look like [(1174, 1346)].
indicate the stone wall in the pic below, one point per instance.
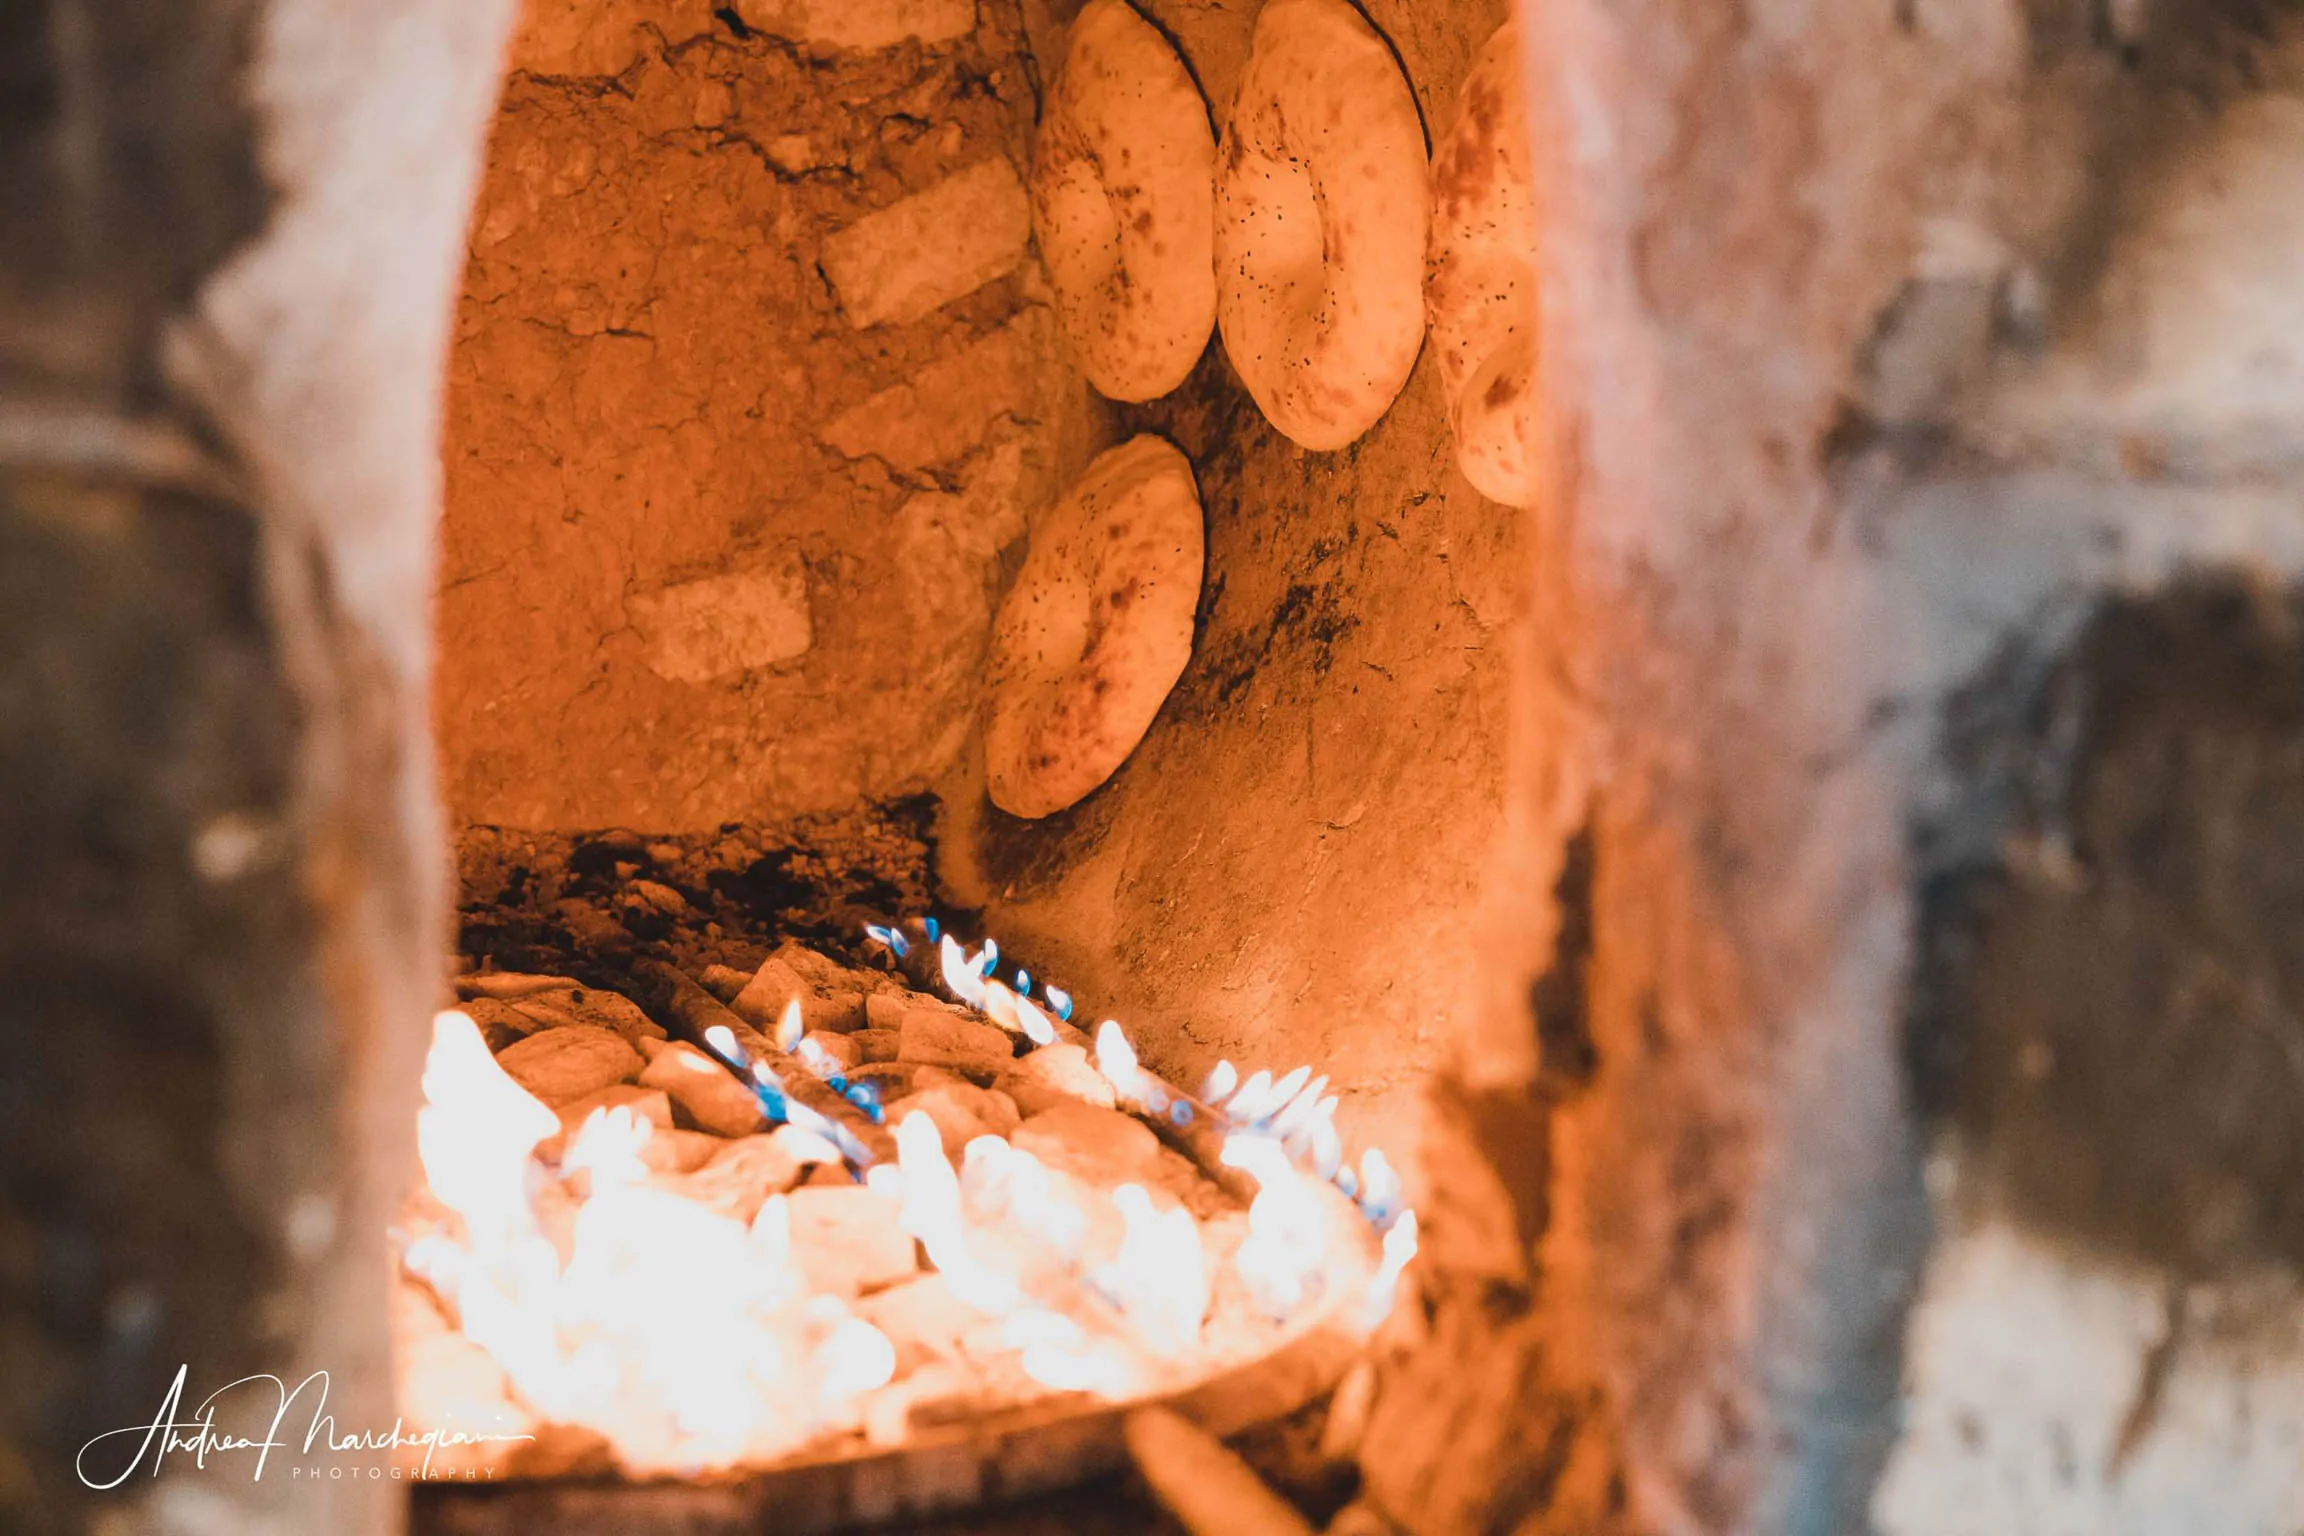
[(752, 388), (1921, 382), (227, 253)]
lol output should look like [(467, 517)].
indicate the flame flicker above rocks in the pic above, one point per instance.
[(622, 1295)]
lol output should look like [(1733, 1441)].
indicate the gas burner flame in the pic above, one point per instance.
[(1380, 1196), (790, 1027), (1116, 1059), (1384, 1285), (1159, 1277), (1287, 1225), (963, 975), (690, 1340), (652, 1320), (1033, 1022), (1295, 1109), (932, 1213)]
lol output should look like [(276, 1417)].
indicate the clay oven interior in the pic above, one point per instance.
[(719, 562), (1810, 901), (723, 543)]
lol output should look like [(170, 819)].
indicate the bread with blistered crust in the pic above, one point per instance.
[(1321, 211), (1123, 190), (1095, 631), (1480, 277)]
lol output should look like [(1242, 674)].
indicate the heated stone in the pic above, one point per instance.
[(724, 981), (841, 1049), (741, 1176), (660, 897), (543, 1012), (679, 1151), (840, 1011), (778, 981), (807, 1147), (760, 1002), (1098, 1146), (890, 1079), (1172, 1173), (500, 1023), (818, 971), (561, 1066), (877, 1045), (705, 1091), (649, 1104), (613, 1010), (1053, 1076), (938, 1036), (961, 1112), (589, 926), (845, 1239), (921, 1317), (509, 986), (572, 1003), (913, 257), (444, 1378), (828, 978)]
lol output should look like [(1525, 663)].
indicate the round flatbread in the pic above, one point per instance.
[(1480, 279), (1320, 224), (1096, 630), (1123, 189)]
